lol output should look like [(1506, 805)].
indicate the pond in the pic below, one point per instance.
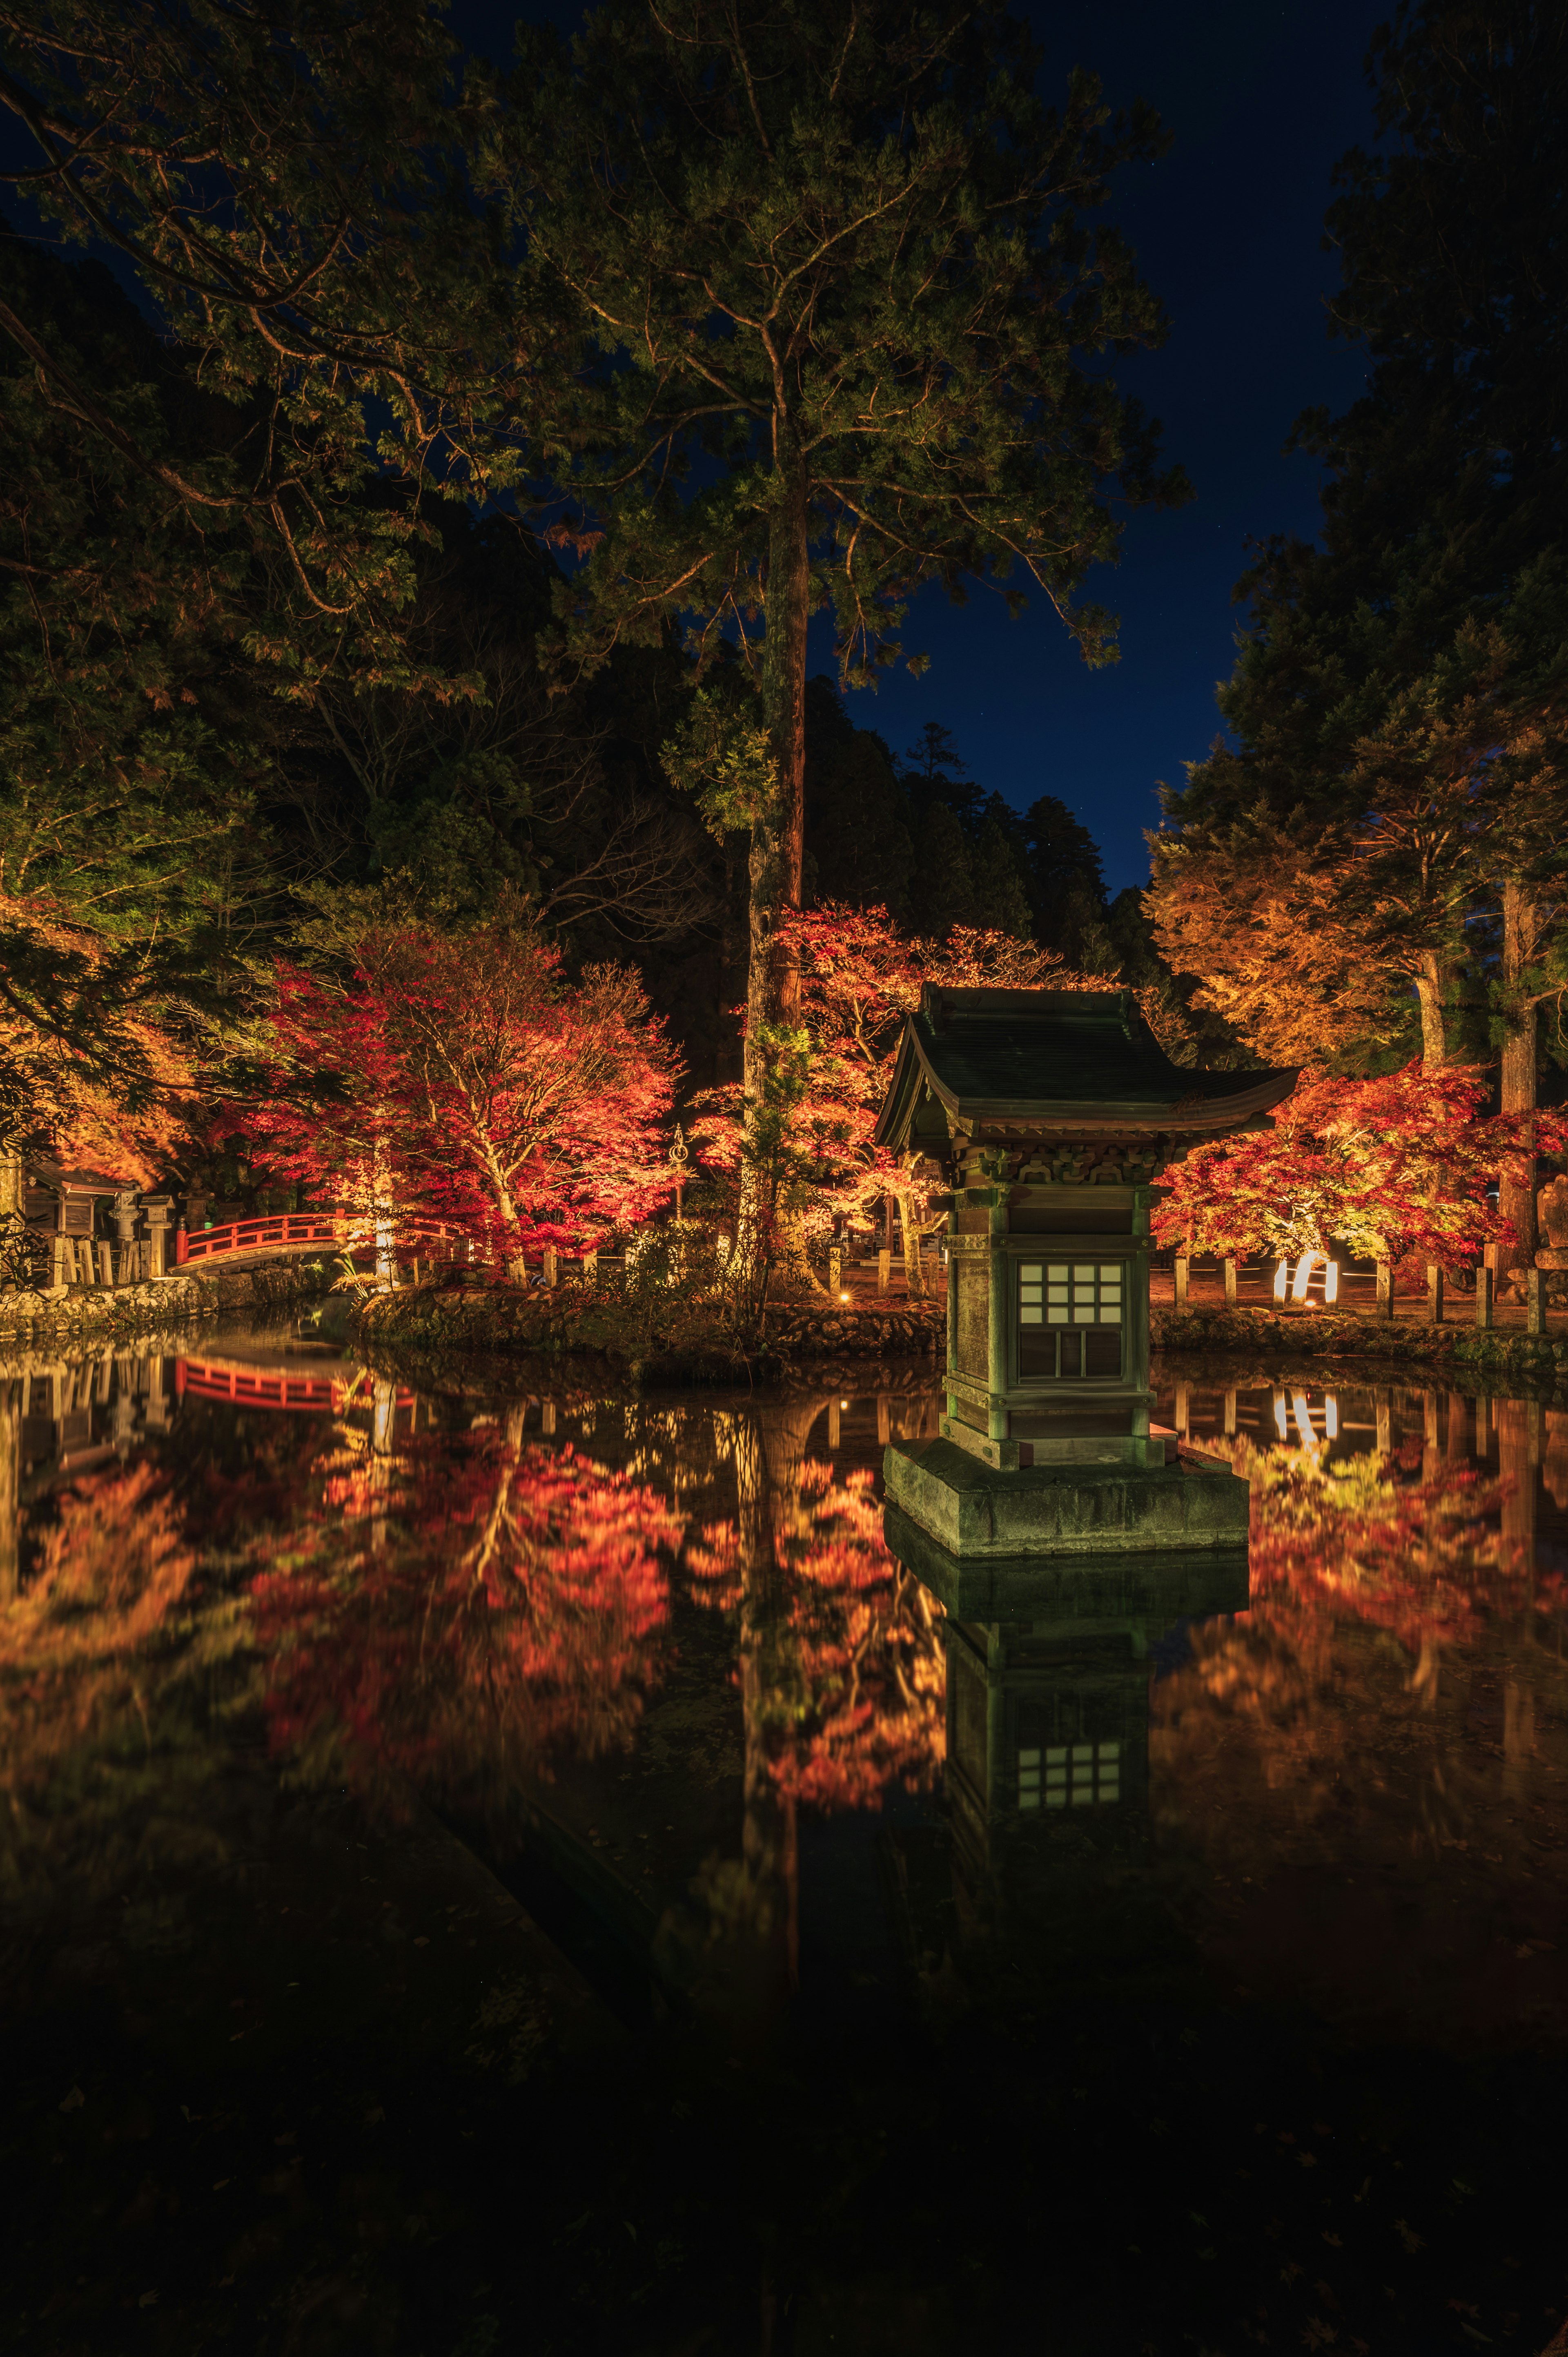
[(486, 1871)]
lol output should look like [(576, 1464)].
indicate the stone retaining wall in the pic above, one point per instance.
[(79, 1314), (506, 1318), (1500, 1349)]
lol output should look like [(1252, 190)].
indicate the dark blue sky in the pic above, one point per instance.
[(1228, 226), (1261, 98)]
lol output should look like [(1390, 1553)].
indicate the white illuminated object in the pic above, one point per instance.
[(1331, 1414), (843, 1296), (1304, 1420), (1331, 1280), (1281, 1417), (1303, 1276), (1280, 1282)]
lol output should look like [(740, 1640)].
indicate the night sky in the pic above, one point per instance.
[(1228, 231)]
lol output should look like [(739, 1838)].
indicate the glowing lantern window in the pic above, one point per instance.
[(1070, 1295), (1069, 1775)]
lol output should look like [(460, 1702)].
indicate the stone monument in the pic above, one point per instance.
[(1552, 1211), (1053, 1114)]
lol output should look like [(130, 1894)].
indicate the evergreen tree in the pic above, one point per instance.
[(858, 849), (1001, 895), (1398, 683), (943, 894), (834, 274), (1067, 882)]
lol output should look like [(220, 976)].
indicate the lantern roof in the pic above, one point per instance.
[(1083, 1060)]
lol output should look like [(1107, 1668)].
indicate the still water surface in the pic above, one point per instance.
[(485, 1872)]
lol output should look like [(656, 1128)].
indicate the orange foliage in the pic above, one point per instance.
[(465, 1603)]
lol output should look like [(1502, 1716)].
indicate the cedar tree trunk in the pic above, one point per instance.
[(1515, 1198), (1431, 985), (777, 838)]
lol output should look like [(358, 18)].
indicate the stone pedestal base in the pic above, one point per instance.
[(1074, 1592), (1551, 1256), (972, 1509)]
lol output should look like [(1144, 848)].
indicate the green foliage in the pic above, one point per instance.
[(720, 757), (1445, 491), (834, 277)]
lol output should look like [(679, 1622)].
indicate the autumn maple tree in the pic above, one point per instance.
[(860, 979), (1387, 1168), (463, 1078)]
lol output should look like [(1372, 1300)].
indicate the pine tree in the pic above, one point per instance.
[(834, 277)]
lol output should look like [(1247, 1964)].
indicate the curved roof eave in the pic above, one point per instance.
[(1195, 1116)]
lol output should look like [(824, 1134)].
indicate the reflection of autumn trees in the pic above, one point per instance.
[(107, 1663), (854, 1704), (1373, 1600), (840, 1669), (460, 1607)]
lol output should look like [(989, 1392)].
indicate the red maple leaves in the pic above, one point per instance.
[(464, 1079), (1389, 1166)]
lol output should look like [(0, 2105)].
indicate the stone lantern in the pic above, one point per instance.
[(1053, 1116)]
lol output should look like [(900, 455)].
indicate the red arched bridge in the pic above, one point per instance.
[(272, 1387), (315, 1231)]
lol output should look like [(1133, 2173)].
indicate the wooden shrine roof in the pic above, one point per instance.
[(75, 1183), (1083, 1060)]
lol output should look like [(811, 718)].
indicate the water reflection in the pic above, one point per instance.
[(748, 1749), (645, 1640)]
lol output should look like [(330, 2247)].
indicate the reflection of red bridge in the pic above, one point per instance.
[(314, 1231), (267, 1387)]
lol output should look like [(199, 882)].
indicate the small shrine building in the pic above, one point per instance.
[(1053, 1114)]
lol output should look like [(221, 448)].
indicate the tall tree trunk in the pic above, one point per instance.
[(1515, 1198), (778, 839), (1431, 989), (777, 834), (10, 1488)]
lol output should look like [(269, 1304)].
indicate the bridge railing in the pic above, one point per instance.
[(289, 1230)]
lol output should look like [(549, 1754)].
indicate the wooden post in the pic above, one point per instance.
[(1182, 1265), (1001, 1307), (1384, 1410), (1434, 1293), (884, 1419), (884, 1269), (547, 1415), (1534, 1301), (590, 1269), (833, 1426), (835, 1268), (1385, 1289), (1483, 1297), (1230, 1415), (105, 1256), (551, 1267), (1230, 1284), (1183, 1395)]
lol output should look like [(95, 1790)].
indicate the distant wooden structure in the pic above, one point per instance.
[(60, 1209)]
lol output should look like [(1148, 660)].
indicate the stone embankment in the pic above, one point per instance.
[(64, 1315), (1479, 1350), (440, 1318)]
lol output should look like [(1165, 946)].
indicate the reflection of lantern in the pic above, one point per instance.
[(1048, 1709)]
